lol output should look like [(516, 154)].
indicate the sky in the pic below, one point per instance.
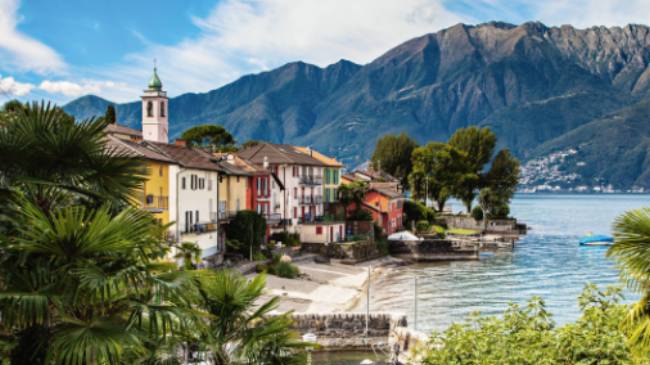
[(61, 50)]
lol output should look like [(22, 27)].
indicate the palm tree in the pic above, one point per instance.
[(632, 251), (241, 329), (189, 253), (353, 193), (82, 281)]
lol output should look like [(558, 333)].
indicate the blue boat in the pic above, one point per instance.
[(596, 240)]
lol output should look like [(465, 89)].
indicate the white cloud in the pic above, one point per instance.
[(12, 88), (74, 89), (587, 13), (244, 36), (20, 52)]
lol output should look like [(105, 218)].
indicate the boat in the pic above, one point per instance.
[(596, 240)]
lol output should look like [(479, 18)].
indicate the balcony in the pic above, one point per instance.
[(199, 228), (155, 203), (308, 199), (311, 180), (273, 218)]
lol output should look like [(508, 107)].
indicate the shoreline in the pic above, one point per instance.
[(326, 288)]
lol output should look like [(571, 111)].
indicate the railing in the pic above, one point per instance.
[(202, 228), (155, 202), (273, 218), (311, 180), (308, 199)]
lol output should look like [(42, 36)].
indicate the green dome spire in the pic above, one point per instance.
[(154, 82)]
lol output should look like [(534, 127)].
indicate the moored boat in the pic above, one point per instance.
[(596, 240)]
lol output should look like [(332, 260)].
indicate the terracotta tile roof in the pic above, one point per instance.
[(387, 192), (134, 149), (189, 157), (278, 154), (328, 161), (120, 129), (236, 163)]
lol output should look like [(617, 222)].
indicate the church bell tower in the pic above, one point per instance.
[(155, 124)]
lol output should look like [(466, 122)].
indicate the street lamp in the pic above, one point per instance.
[(310, 338)]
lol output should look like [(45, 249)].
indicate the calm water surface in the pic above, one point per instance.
[(548, 262)]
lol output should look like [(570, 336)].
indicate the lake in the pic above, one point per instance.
[(548, 262)]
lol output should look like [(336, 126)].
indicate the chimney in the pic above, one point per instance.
[(180, 142), (310, 153), (266, 162)]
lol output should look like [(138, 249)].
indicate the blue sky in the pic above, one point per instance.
[(60, 50)]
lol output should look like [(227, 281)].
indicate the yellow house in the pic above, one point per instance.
[(155, 197), (233, 186)]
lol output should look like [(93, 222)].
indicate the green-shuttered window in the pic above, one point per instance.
[(335, 174)]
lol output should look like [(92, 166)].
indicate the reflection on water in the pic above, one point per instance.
[(548, 262)]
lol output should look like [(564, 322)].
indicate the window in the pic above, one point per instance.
[(319, 230), (295, 212), (196, 216), (149, 109), (188, 221), (335, 175), (202, 183), (160, 170), (295, 193), (183, 183), (162, 108)]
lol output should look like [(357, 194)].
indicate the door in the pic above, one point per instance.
[(331, 238)]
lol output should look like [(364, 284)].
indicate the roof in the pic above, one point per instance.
[(278, 154), (134, 149), (387, 192), (328, 161), (235, 165), (154, 82), (120, 129), (377, 175), (185, 156)]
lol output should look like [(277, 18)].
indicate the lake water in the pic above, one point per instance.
[(548, 262)]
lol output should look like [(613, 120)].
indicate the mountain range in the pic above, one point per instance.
[(541, 89)]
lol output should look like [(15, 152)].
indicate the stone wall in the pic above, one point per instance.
[(351, 252), (506, 226), (347, 331), (434, 250)]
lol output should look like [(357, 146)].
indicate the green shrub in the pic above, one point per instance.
[(382, 247), (423, 226), (477, 213), (287, 239), (249, 229), (416, 211), (360, 215), (284, 270), (259, 256), (528, 335)]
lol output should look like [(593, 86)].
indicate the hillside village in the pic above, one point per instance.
[(199, 192)]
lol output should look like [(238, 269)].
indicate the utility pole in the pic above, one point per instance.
[(368, 299), (415, 303)]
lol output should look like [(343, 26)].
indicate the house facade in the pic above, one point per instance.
[(298, 182), (386, 208), (331, 175)]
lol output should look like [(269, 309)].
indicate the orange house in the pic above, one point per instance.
[(386, 208)]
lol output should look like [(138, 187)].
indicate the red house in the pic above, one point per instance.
[(386, 207)]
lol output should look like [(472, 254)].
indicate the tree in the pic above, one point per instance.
[(503, 176), (353, 193), (477, 144), (436, 169), (632, 252), (210, 136), (249, 229), (250, 143), (189, 253), (242, 330), (82, 280), (109, 116), (393, 155)]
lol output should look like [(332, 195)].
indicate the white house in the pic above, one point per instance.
[(193, 192), (301, 176)]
